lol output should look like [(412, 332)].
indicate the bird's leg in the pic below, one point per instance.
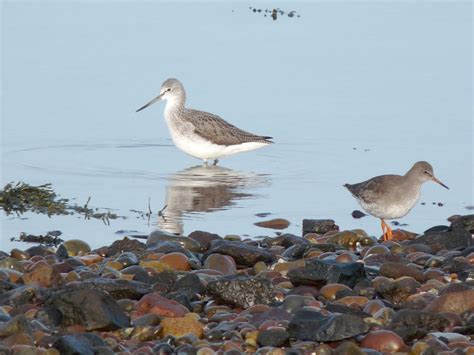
[(383, 228), (215, 162), (387, 231)]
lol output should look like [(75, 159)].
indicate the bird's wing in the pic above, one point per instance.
[(219, 131), (371, 189)]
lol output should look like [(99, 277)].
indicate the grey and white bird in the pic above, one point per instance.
[(392, 196), (201, 134)]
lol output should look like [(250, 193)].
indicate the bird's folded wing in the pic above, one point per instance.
[(219, 131)]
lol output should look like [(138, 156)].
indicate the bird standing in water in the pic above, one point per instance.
[(201, 134), (392, 196)]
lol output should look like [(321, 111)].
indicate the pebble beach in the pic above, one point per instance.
[(326, 291)]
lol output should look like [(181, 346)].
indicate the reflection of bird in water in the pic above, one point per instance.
[(205, 189)]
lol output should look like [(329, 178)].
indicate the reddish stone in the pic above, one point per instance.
[(19, 339), (181, 326), (344, 258), (329, 291), (176, 261), (12, 275), (384, 341), (42, 274), (456, 302), (157, 304), (277, 223), (222, 263), (90, 259)]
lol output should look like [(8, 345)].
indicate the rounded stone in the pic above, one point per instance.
[(383, 341), (348, 348), (359, 301), (274, 336), (395, 270), (222, 263), (19, 254), (456, 302), (181, 326), (376, 249), (276, 223), (344, 258), (176, 261), (13, 275), (157, 304), (373, 306), (76, 247), (205, 350), (13, 264), (329, 291), (155, 265)]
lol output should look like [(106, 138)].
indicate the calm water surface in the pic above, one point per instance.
[(349, 90)]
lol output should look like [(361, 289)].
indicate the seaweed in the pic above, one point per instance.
[(51, 238), (21, 197)]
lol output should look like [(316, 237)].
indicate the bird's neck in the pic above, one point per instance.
[(413, 179), (174, 106)]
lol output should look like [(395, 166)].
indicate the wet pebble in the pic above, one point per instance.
[(277, 223), (223, 263), (383, 341), (181, 326), (159, 305), (76, 247)]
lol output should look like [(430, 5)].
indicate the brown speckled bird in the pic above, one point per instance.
[(202, 134)]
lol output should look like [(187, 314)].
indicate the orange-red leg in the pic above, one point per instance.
[(383, 228), (387, 231)]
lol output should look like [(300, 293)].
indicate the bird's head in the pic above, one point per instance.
[(171, 90), (423, 171)]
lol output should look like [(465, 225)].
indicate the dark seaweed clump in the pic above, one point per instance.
[(21, 197), (274, 13)]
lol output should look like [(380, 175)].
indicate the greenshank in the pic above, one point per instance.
[(201, 134)]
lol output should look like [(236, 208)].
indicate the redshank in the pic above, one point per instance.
[(392, 196), (201, 134)]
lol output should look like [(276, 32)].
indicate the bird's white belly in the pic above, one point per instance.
[(198, 147), (392, 209), (185, 139)]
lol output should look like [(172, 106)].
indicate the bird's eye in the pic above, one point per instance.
[(427, 172), (169, 89)]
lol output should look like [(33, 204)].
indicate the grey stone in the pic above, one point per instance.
[(73, 345), (94, 309), (309, 324), (464, 223), (242, 291), (319, 226), (118, 289), (273, 337), (319, 272), (450, 240), (243, 254)]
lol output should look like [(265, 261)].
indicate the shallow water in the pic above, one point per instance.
[(349, 90)]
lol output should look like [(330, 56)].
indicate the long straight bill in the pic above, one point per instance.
[(156, 99), (439, 182)]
